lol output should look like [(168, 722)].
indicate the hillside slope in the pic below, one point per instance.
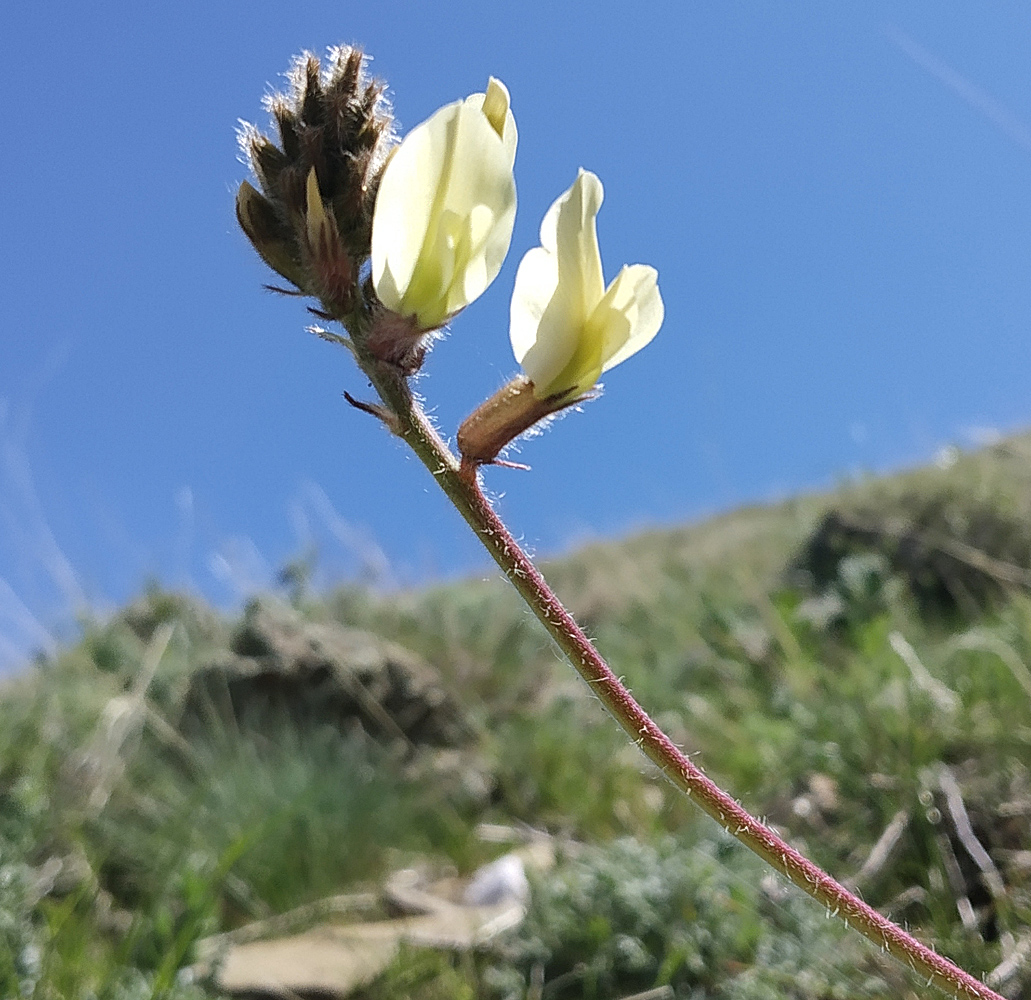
[(852, 665)]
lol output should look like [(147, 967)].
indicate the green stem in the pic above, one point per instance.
[(461, 485)]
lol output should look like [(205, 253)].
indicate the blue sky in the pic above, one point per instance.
[(836, 197)]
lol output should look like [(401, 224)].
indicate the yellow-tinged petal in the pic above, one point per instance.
[(535, 285), (316, 211), (405, 202), (445, 209), (635, 294), (495, 105), (488, 105), (575, 238), (557, 285)]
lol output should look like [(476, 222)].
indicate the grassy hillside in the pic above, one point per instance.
[(852, 666)]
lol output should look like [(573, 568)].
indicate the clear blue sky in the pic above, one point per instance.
[(837, 198)]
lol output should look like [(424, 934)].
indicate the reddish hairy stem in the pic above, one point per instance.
[(687, 776), (461, 484)]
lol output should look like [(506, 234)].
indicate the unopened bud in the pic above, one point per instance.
[(333, 269), (274, 241), (317, 219)]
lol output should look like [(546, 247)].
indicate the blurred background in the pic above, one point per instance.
[(835, 196)]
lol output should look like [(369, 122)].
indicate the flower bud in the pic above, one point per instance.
[(270, 236), (311, 222)]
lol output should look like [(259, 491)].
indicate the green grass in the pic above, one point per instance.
[(763, 642)]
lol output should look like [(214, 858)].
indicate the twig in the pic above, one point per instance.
[(984, 641), (1012, 964), (944, 698), (957, 884), (882, 850), (535, 989), (121, 719), (908, 897), (965, 832)]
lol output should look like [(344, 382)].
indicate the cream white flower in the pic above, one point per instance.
[(445, 209), (566, 326)]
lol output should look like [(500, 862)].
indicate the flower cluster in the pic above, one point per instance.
[(433, 217), (311, 222)]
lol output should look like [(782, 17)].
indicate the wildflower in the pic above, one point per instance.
[(445, 210), (566, 327)]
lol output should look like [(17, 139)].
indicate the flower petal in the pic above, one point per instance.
[(535, 284), (444, 213), (481, 191), (569, 229), (405, 203), (557, 286), (566, 328), (496, 105), (633, 294)]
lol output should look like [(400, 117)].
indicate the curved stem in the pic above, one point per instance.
[(461, 485)]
